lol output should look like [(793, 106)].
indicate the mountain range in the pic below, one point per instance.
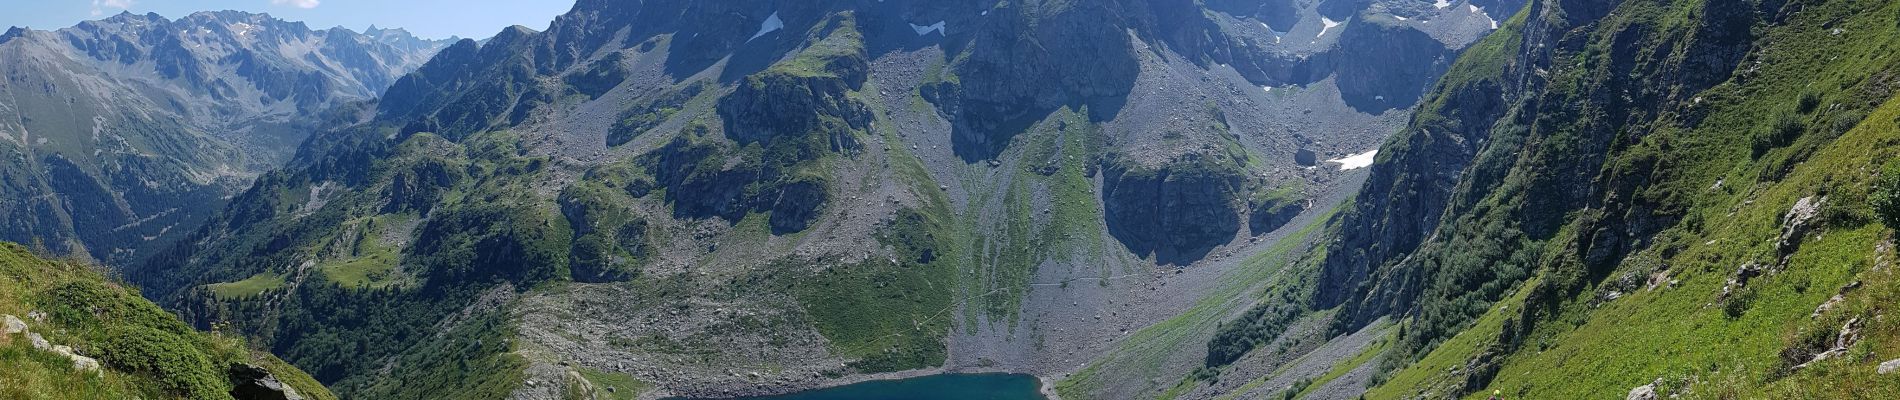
[(123, 132), (1162, 199)]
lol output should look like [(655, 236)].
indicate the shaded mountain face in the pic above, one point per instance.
[(123, 132), (669, 192)]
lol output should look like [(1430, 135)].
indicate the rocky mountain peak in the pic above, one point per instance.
[(162, 118)]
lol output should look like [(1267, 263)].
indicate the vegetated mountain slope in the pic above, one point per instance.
[(1606, 199), (739, 197), (71, 333), (121, 133)]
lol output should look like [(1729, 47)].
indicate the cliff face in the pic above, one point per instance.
[(1596, 173), (1394, 67), (126, 131), (1465, 150), (1177, 212)]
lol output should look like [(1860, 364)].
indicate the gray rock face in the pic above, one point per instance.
[(1391, 63), (254, 383), (1797, 222), (773, 105), (1448, 162), (1028, 69), (1178, 212)]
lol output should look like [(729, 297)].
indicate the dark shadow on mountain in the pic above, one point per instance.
[(1178, 212), (1390, 64)]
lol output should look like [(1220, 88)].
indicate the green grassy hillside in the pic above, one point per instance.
[(144, 351), (1680, 197)]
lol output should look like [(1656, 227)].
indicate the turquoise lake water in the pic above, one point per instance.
[(929, 387)]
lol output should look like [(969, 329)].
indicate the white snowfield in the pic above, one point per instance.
[(926, 29), (1355, 161), (1326, 24)]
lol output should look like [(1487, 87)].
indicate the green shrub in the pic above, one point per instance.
[(92, 303), (1808, 103), (1885, 196), (1786, 129), (172, 360)]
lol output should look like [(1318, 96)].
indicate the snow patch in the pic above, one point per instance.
[(1442, 4), (771, 24), (1480, 11), (1355, 161), (1327, 24), (926, 29), (1276, 34)]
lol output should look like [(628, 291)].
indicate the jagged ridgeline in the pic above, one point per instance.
[(71, 333), (717, 198), (1652, 199), (119, 135)]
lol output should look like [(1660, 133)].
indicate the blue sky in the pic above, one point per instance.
[(433, 19)]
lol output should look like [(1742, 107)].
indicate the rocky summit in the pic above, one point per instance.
[(1117, 199)]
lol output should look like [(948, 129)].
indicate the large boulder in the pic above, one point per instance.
[(10, 324), (1306, 157), (250, 382), (1644, 392), (1889, 366)]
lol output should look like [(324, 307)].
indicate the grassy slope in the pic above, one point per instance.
[(1687, 335), (186, 359), (1146, 352)]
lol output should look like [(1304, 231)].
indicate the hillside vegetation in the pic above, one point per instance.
[(74, 334), (1675, 198)]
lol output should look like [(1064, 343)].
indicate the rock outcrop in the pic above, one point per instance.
[(1177, 212), (11, 325), (1644, 392), (1272, 212), (1796, 223), (250, 382)]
